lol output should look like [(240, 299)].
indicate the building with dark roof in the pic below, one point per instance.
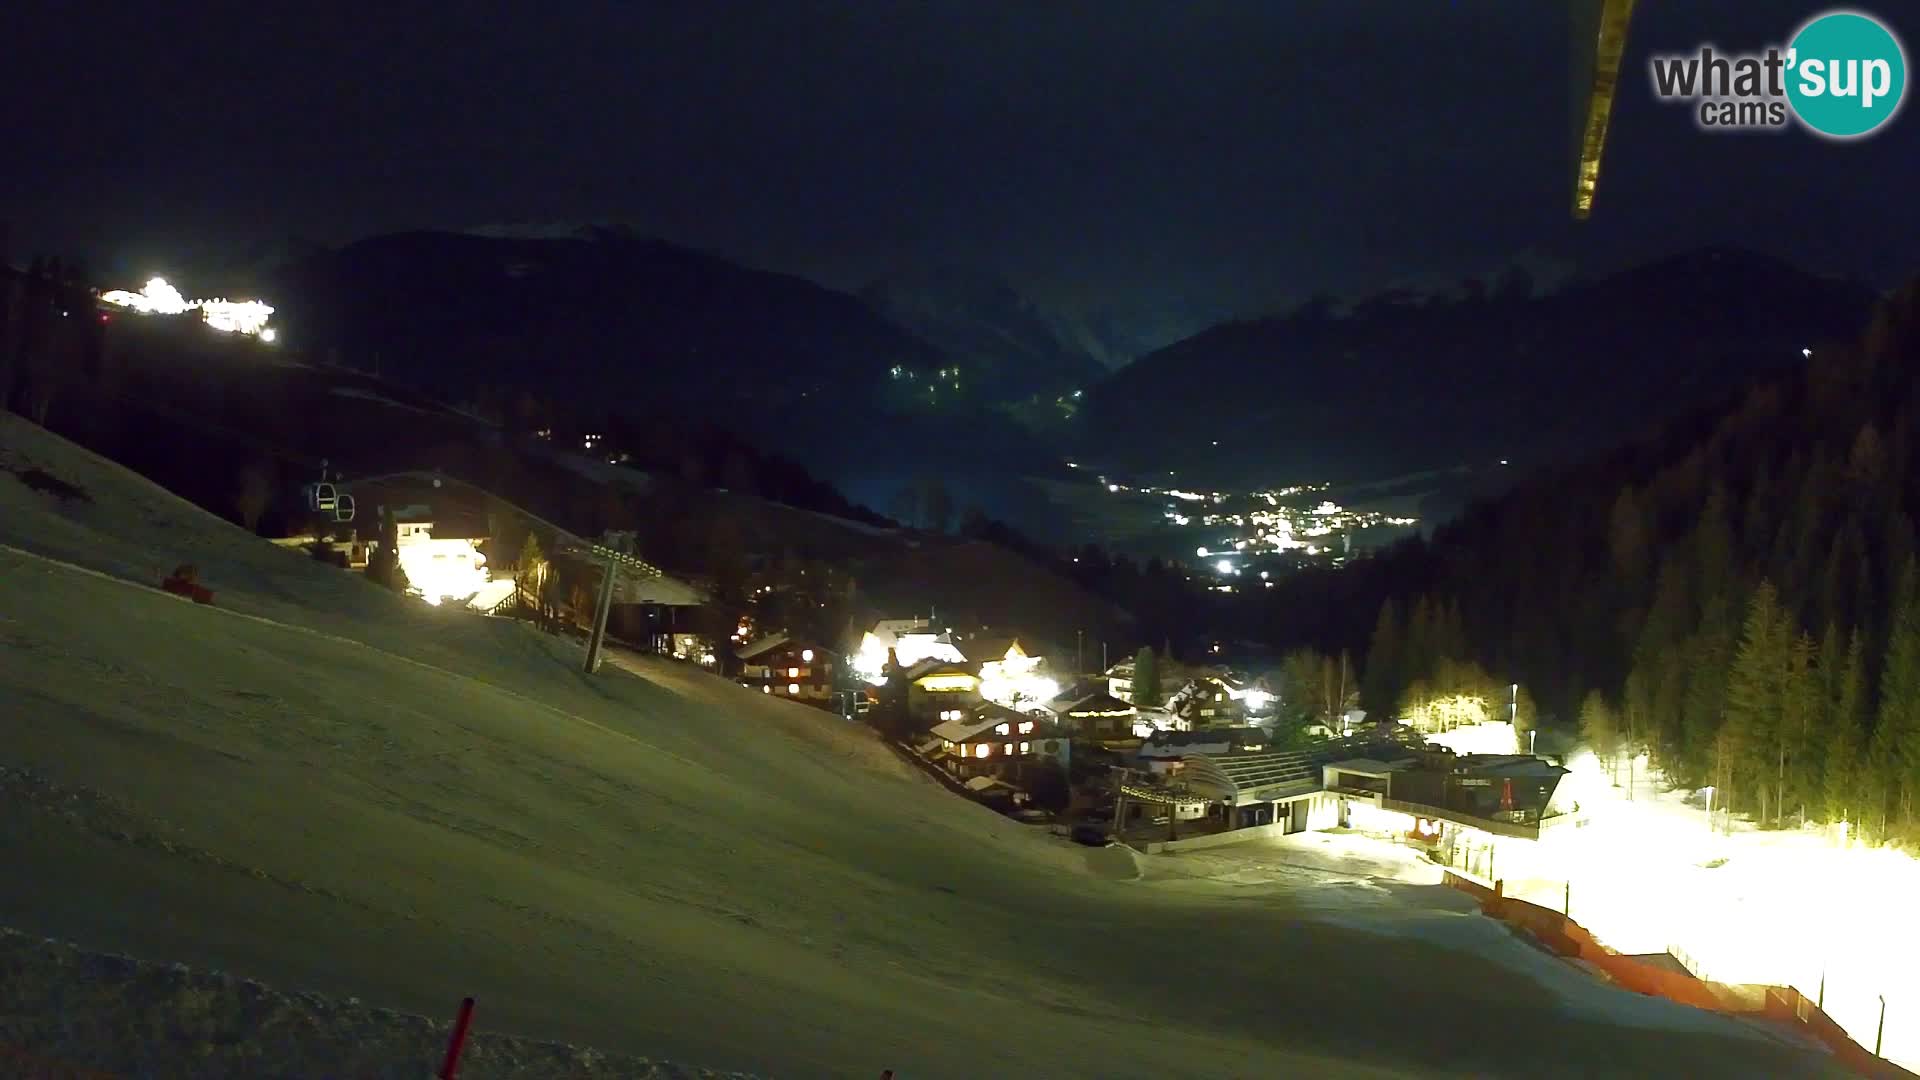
[(791, 667), (1385, 784), (992, 740), (1099, 718), (941, 690), (1174, 745)]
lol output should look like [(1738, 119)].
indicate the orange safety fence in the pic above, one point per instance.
[(1786, 1003), (1568, 938)]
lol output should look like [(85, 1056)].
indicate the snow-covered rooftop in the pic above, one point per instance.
[(1369, 766), (967, 729), (762, 645)]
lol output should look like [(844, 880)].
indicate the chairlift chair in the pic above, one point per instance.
[(321, 498)]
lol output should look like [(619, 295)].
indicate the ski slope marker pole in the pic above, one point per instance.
[(459, 1040)]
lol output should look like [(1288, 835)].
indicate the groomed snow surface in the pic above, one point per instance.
[(345, 795), (110, 1011), (1788, 907)]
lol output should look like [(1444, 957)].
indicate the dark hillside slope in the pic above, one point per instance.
[(1641, 575), (1399, 385)]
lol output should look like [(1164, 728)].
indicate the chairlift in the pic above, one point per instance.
[(321, 498), (324, 499)]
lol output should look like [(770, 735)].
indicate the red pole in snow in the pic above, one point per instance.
[(459, 1041)]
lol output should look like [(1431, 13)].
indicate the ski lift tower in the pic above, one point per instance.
[(624, 569), (621, 571)]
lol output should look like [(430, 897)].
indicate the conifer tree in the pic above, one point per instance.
[(1146, 678), (1598, 727), (1381, 682), (1755, 697), (1847, 747), (1797, 750), (1896, 738)]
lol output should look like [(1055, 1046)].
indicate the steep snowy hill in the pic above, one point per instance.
[(318, 785)]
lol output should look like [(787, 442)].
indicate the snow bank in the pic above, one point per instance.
[(1115, 862), (69, 1010), (1497, 737)]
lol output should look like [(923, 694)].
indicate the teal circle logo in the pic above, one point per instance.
[(1847, 74)]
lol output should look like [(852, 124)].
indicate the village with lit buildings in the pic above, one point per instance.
[(1260, 533), (1190, 755), (999, 715)]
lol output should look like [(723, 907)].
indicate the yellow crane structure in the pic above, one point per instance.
[(1600, 39)]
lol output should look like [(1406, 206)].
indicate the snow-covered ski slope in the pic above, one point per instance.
[(329, 789)]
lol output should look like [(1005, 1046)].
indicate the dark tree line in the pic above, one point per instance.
[(685, 450), (1168, 605), (51, 336), (1736, 597)]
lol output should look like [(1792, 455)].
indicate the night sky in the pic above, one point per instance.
[(1099, 154)]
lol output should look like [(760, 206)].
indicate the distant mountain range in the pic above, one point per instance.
[(1118, 335), (1016, 350), (601, 314), (609, 319), (1403, 382), (951, 372), (976, 316)]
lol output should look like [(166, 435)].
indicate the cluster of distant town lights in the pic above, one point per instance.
[(1274, 528)]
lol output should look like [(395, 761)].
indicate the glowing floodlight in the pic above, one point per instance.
[(158, 297)]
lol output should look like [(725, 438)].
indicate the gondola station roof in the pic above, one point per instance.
[(1245, 779)]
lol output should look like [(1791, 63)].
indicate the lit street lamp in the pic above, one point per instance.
[(1513, 715)]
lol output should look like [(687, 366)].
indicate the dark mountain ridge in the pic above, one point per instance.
[(1401, 383), (616, 303), (1011, 346), (636, 326)]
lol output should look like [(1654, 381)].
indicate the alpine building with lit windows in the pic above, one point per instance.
[(788, 667), (1010, 676), (993, 740)]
